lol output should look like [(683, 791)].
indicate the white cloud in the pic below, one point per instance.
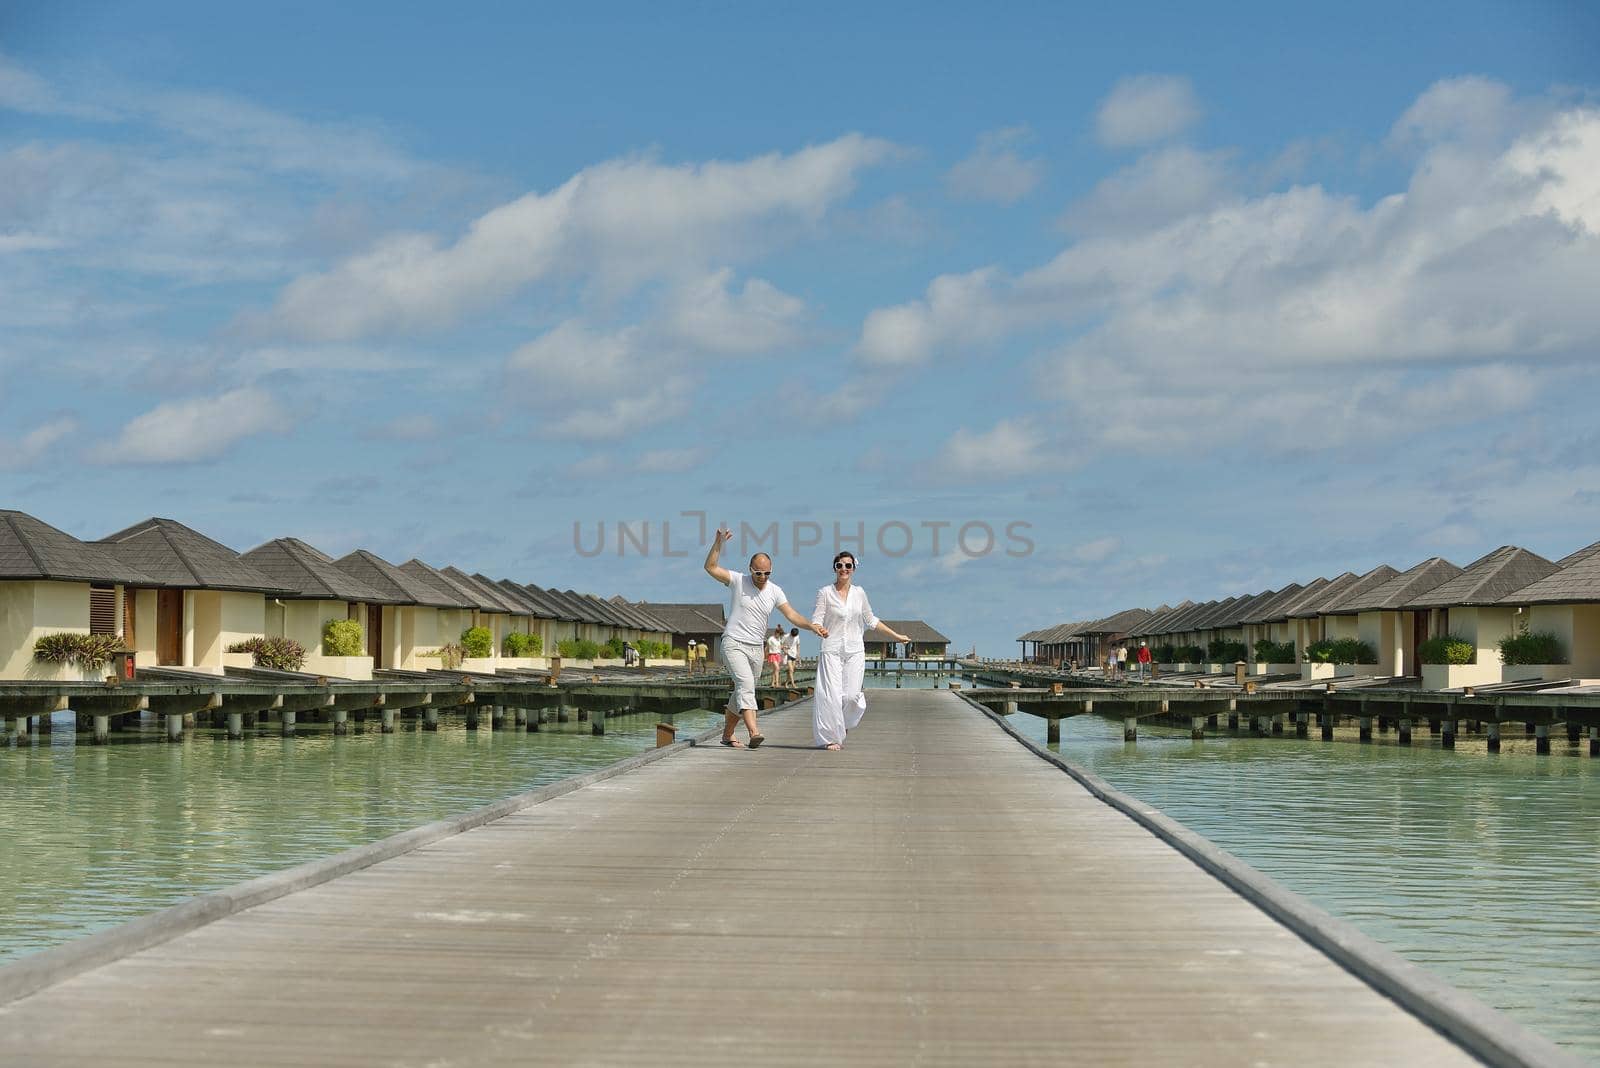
[(22, 90), (33, 447), (1010, 447), (1491, 254), (760, 317), (595, 385), (1093, 552), (995, 170), (414, 427), (1146, 108), (1158, 189), (196, 430), (624, 221)]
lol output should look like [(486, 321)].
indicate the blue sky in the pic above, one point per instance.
[(1204, 304)]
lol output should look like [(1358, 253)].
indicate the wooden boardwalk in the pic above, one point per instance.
[(933, 894)]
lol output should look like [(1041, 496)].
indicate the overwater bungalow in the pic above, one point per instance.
[(472, 608), (702, 622), (1384, 623), (1564, 604), (204, 597), (925, 642), (318, 592), (1269, 621), (532, 618), (1470, 607), (413, 624), (52, 583), (1311, 626)]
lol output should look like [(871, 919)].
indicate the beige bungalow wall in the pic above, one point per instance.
[(1483, 627), (30, 610), (212, 621), (1576, 626), (1386, 632)]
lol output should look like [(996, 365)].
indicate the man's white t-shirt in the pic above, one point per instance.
[(750, 608), (791, 645)]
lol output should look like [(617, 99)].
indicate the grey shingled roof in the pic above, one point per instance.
[(489, 599), (1207, 619), (1398, 591), (311, 573), (393, 581), (31, 549), (558, 608), (571, 609), (1310, 607), (447, 592), (917, 630), (592, 613), (1117, 623), (1359, 588), (1179, 623), (1237, 614), (513, 594), (1271, 609), (179, 557), (1487, 579), (1576, 581), (687, 618)]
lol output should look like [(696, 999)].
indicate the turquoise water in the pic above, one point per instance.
[(95, 835), (1482, 867)]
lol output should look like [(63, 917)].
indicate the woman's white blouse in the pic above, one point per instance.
[(846, 619)]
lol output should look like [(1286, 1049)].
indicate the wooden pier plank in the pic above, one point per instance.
[(932, 894)]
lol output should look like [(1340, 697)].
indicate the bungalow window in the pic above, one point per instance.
[(102, 610)]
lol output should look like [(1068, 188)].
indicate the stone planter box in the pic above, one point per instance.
[(607, 661), (665, 661), (1367, 669), (484, 664), (575, 664), (355, 668), (1531, 672), (1310, 671), (1452, 676), (1260, 668), (237, 660), (527, 663), (45, 671)]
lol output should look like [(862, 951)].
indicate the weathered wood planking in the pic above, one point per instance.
[(933, 894)]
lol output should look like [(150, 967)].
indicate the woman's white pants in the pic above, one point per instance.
[(839, 702)]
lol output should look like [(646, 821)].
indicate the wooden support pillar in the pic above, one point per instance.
[(175, 727), (1130, 729), (341, 721), (1541, 738), (563, 714), (1383, 724), (472, 717), (583, 715), (597, 722), (288, 718), (1405, 732), (250, 721), (235, 726), (1263, 727), (1574, 730), (1211, 721), (1447, 735), (1277, 722), (519, 717), (1328, 720), (1302, 726), (1594, 741), (47, 724), (1197, 728), (102, 729), (1366, 728), (1052, 731), (386, 720), (1233, 721), (430, 718), (1494, 737)]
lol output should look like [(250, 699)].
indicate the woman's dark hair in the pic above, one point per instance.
[(844, 554), (793, 631)]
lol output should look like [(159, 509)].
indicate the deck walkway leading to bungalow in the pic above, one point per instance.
[(934, 893)]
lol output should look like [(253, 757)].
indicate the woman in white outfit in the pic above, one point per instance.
[(843, 614)]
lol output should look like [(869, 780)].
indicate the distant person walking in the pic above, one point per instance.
[(1144, 660), (775, 653), (751, 600), (791, 652), (1122, 660), (692, 657), (842, 617)]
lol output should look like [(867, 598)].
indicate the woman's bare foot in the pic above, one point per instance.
[(834, 747)]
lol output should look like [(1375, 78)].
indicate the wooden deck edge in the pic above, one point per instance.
[(35, 972), (1483, 1031)]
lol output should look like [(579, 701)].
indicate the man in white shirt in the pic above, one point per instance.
[(751, 600), (791, 654)]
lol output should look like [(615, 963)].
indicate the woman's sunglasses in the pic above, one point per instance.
[(844, 565)]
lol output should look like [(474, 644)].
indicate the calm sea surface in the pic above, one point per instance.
[(1484, 868)]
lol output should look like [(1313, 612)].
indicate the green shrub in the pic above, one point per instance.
[(1447, 649), (343, 637), (85, 650), (1341, 651), (1187, 654), (1163, 654), (1225, 651), (578, 648), (1271, 652), (613, 649), (1528, 648), (651, 649), (281, 654), (478, 642), (519, 644)]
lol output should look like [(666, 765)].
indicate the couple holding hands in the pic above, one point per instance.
[(841, 617)]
